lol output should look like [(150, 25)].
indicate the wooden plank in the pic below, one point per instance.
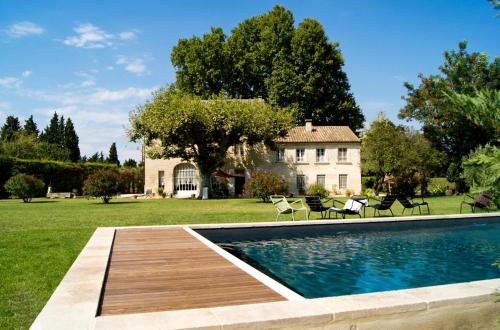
[(162, 269)]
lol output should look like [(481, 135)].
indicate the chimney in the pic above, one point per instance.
[(309, 125)]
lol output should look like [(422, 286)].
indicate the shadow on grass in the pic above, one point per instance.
[(116, 203), (42, 202)]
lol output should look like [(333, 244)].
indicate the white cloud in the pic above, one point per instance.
[(27, 73), (106, 95), (133, 65), (4, 105), (23, 29), (109, 67), (87, 83), (89, 36), (127, 35), (10, 82)]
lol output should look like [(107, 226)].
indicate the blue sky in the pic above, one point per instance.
[(96, 60)]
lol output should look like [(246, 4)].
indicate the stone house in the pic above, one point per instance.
[(328, 155)]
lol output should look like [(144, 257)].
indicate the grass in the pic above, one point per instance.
[(39, 241)]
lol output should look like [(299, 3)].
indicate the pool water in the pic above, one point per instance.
[(349, 259)]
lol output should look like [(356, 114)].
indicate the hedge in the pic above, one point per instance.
[(61, 176)]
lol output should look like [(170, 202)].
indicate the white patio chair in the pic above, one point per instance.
[(284, 207)]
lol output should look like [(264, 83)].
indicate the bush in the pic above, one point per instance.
[(103, 184), (318, 190), (24, 186), (368, 182), (264, 184)]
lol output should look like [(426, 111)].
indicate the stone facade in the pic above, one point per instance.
[(329, 155)]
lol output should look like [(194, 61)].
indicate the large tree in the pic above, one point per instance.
[(71, 141), (449, 130), (400, 154), (10, 129), (113, 155), (30, 127), (52, 133), (176, 124), (266, 56)]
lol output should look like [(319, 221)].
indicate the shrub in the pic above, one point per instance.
[(264, 184), (349, 192), (367, 192), (367, 181), (24, 186), (103, 184), (318, 190)]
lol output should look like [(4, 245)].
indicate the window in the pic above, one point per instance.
[(280, 155), (301, 183), (161, 179), (238, 150), (185, 177), (320, 179), (342, 157), (300, 155), (320, 155), (342, 181)]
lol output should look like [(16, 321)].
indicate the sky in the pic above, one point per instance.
[(95, 61)]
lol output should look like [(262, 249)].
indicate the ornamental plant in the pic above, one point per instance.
[(24, 186), (264, 184), (317, 189), (103, 184)]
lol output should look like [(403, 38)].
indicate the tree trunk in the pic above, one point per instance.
[(205, 182)]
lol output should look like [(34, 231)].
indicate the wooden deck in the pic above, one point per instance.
[(162, 269)]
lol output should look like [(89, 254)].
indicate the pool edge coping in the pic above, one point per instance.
[(81, 301)]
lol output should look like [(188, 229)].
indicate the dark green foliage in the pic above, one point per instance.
[(439, 103), (24, 186), (132, 180), (367, 182), (113, 155), (262, 185), (10, 129), (29, 147), (398, 155), (130, 163), (103, 183), (30, 127), (71, 141), (51, 134), (266, 56), (6, 164)]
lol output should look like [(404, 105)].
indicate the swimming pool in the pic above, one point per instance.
[(342, 259)]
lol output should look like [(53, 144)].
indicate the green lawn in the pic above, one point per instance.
[(39, 241)]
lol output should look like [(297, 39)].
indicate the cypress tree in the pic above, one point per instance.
[(71, 141), (113, 155), (61, 132), (10, 128), (51, 132), (30, 127)]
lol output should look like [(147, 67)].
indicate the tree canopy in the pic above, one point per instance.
[(266, 56), (177, 124), (448, 129), (10, 128), (113, 155), (398, 153)]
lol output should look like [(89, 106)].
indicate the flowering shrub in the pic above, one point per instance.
[(264, 184)]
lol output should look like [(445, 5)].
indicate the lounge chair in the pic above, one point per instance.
[(351, 207), (385, 204), (481, 201), (283, 207), (316, 205), (409, 203)]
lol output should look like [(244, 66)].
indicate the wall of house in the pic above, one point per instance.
[(261, 158), (331, 167)]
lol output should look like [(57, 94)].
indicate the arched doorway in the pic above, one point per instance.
[(185, 181)]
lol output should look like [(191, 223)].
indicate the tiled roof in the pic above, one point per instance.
[(319, 134)]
